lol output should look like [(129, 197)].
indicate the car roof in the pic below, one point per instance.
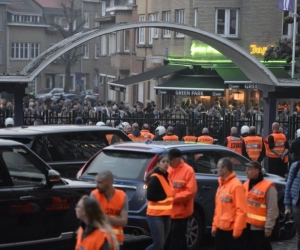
[(9, 143), (48, 129)]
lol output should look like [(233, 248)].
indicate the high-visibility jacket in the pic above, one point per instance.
[(109, 138), (93, 241), (189, 138), (206, 139), (256, 202), (235, 143), (147, 135), (170, 138), (112, 208), (136, 138), (185, 187), (163, 207), (230, 206), (279, 145), (253, 145)]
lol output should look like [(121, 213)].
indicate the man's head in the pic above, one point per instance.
[(170, 130), (146, 126), (253, 169), (104, 181), (233, 130), (252, 130), (128, 129), (205, 131), (9, 122), (224, 167), (135, 126), (174, 156), (275, 127)]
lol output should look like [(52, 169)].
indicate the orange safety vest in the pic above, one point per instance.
[(94, 241), (109, 138), (136, 138), (112, 208), (170, 138), (164, 207), (147, 135), (189, 138), (206, 139), (235, 143), (253, 146), (279, 145), (256, 203)]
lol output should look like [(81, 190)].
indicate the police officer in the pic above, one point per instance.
[(205, 138), (234, 142), (253, 146), (170, 136), (190, 137), (277, 147), (295, 147)]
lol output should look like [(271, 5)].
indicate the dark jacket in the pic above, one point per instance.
[(155, 191)]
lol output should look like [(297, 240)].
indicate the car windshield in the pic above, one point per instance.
[(123, 165)]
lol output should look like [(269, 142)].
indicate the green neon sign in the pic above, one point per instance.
[(203, 50)]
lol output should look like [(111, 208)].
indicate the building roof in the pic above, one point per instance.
[(23, 6), (55, 4)]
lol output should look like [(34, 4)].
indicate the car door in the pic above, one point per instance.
[(38, 208)]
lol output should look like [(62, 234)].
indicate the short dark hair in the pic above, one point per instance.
[(174, 153), (226, 163)]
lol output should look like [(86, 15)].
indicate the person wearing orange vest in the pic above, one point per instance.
[(184, 184), (94, 233), (230, 209), (205, 138), (136, 134), (113, 202), (253, 146), (234, 142), (189, 136), (262, 208), (146, 132), (160, 203), (170, 136), (277, 147)]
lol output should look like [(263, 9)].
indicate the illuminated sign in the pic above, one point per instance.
[(257, 50), (250, 86), (203, 49), (189, 92)]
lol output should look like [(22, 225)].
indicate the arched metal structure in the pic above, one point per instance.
[(251, 67)]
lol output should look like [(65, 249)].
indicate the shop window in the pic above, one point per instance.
[(227, 22)]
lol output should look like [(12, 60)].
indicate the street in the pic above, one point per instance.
[(141, 242)]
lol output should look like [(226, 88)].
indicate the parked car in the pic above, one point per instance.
[(50, 93), (69, 97), (66, 148), (130, 162), (36, 204)]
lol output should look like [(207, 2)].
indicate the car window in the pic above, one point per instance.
[(237, 161), (123, 165), (205, 162), (22, 167)]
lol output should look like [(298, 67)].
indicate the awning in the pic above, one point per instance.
[(192, 86), (157, 72), (232, 75), (280, 72)]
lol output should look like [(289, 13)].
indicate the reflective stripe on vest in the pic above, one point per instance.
[(170, 138), (256, 203), (279, 145), (206, 139), (253, 146), (235, 143), (164, 207), (190, 138)]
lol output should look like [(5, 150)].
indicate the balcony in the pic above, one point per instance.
[(115, 5)]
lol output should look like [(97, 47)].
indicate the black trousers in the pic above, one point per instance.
[(277, 166), (225, 241), (177, 239), (256, 240)]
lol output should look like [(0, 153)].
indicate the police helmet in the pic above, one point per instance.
[(160, 130), (9, 122)]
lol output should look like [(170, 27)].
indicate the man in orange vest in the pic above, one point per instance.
[(253, 146), (189, 136), (113, 202), (277, 147), (205, 138), (184, 184), (230, 209), (146, 132), (262, 208), (234, 142), (136, 134), (170, 136)]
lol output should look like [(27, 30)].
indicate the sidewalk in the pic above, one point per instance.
[(285, 245)]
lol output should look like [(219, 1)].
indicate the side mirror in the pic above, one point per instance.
[(53, 176)]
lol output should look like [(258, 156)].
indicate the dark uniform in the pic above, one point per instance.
[(295, 150)]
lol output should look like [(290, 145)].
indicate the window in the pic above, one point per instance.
[(97, 50), (97, 16), (156, 18), (112, 43), (86, 20), (227, 22), (118, 41), (287, 28), (179, 18), (151, 30), (62, 21), (196, 17), (25, 19), (49, 82), (166, 16), (126, 40), (103, 45), (103, 9), (62, 79), (24, 50), (141, 31), (96, 79), (102, 79), (1, 21), (86, 51), (1, 54)]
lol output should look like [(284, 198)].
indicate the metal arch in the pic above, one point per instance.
[(252, 68)]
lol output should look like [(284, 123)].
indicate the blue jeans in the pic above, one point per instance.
[(160, 228)]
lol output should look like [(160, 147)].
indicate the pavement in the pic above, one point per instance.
[(285, 245)]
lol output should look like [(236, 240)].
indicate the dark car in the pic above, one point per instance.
[(66, 148), (130, 162), (36, 204), (69, 97)]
